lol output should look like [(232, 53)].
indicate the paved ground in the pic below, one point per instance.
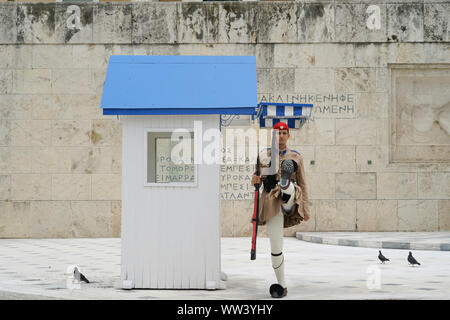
[(35, 269)]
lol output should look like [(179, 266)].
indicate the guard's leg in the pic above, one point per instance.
[(275, 232), (287, 187)]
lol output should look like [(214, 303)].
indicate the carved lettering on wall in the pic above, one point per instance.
[(329, 105)]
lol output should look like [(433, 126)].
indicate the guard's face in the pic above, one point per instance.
[(283, 137)]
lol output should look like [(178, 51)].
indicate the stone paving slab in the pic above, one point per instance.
[(439, 241), (36, 269)]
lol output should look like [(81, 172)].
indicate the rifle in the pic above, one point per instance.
[(255, 219)]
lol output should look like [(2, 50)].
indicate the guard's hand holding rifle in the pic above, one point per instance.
[(256, 179)]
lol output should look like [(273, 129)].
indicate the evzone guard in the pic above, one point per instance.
[(283, 202)]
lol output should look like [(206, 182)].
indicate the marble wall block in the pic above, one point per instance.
[(106, 133), (6, 81), (71, 133), (405, 22), (376, 215), (36, 23), (91, 56), (52, 56), (50, 159), (5, 132), (353, 21), (154, 23), (116, 160), (32, 81), (294, 56), (71, 187), (15, 57), (374, 54), (355, 79), (66, 107), (315, 133), (372, 105), (98, 80), (31, 187), (436, 52), (335, 159), (371, 158), (8, 28), (50, 219), (237, 23), (242, 215), (316, 22), (5, 187), (112, 23), (116, 219), (30, 132), (91, 159), (396, 185), (356, 131), (335, 215), (91, 219), (314, 80), (199, 23), (74, 23), (72, 81), (15, 160), (433, 185), (18, 107), (321, 185), (226, 218), (436, 21), (382, 84), (106, 187), (444, 215), (277, 22), (417, 215), (343, 55), (409, 52), (265, 55), (220, 49), (15, 219), (275, 80), (356, 186)]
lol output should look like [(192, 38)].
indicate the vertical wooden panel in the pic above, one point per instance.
[(171, 235)]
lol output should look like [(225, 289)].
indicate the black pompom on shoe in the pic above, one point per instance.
[(277, 291), (287, 169)]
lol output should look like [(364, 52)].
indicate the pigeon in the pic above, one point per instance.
[(79, 276), (412, 260), (381, 257)]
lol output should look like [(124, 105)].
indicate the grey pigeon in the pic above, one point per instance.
[(79, 276), (412, 260), (381, 257)]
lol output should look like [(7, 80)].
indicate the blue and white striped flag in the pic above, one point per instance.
[(293, 114)]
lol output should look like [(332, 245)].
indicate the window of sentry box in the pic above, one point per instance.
[(170, 158)]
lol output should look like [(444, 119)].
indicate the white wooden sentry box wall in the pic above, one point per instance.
[(170, 234)]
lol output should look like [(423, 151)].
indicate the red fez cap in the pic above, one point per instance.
[(281, 126)]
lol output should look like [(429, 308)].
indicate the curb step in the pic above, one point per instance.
[(334, 239)]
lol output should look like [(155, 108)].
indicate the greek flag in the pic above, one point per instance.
[(293, 114)]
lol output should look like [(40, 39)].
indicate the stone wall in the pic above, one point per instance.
[(377, 155)]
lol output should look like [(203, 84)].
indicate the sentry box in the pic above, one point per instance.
[(171, 212), (170, 205)]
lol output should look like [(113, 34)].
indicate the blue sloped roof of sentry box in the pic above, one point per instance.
[(140, 85)]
